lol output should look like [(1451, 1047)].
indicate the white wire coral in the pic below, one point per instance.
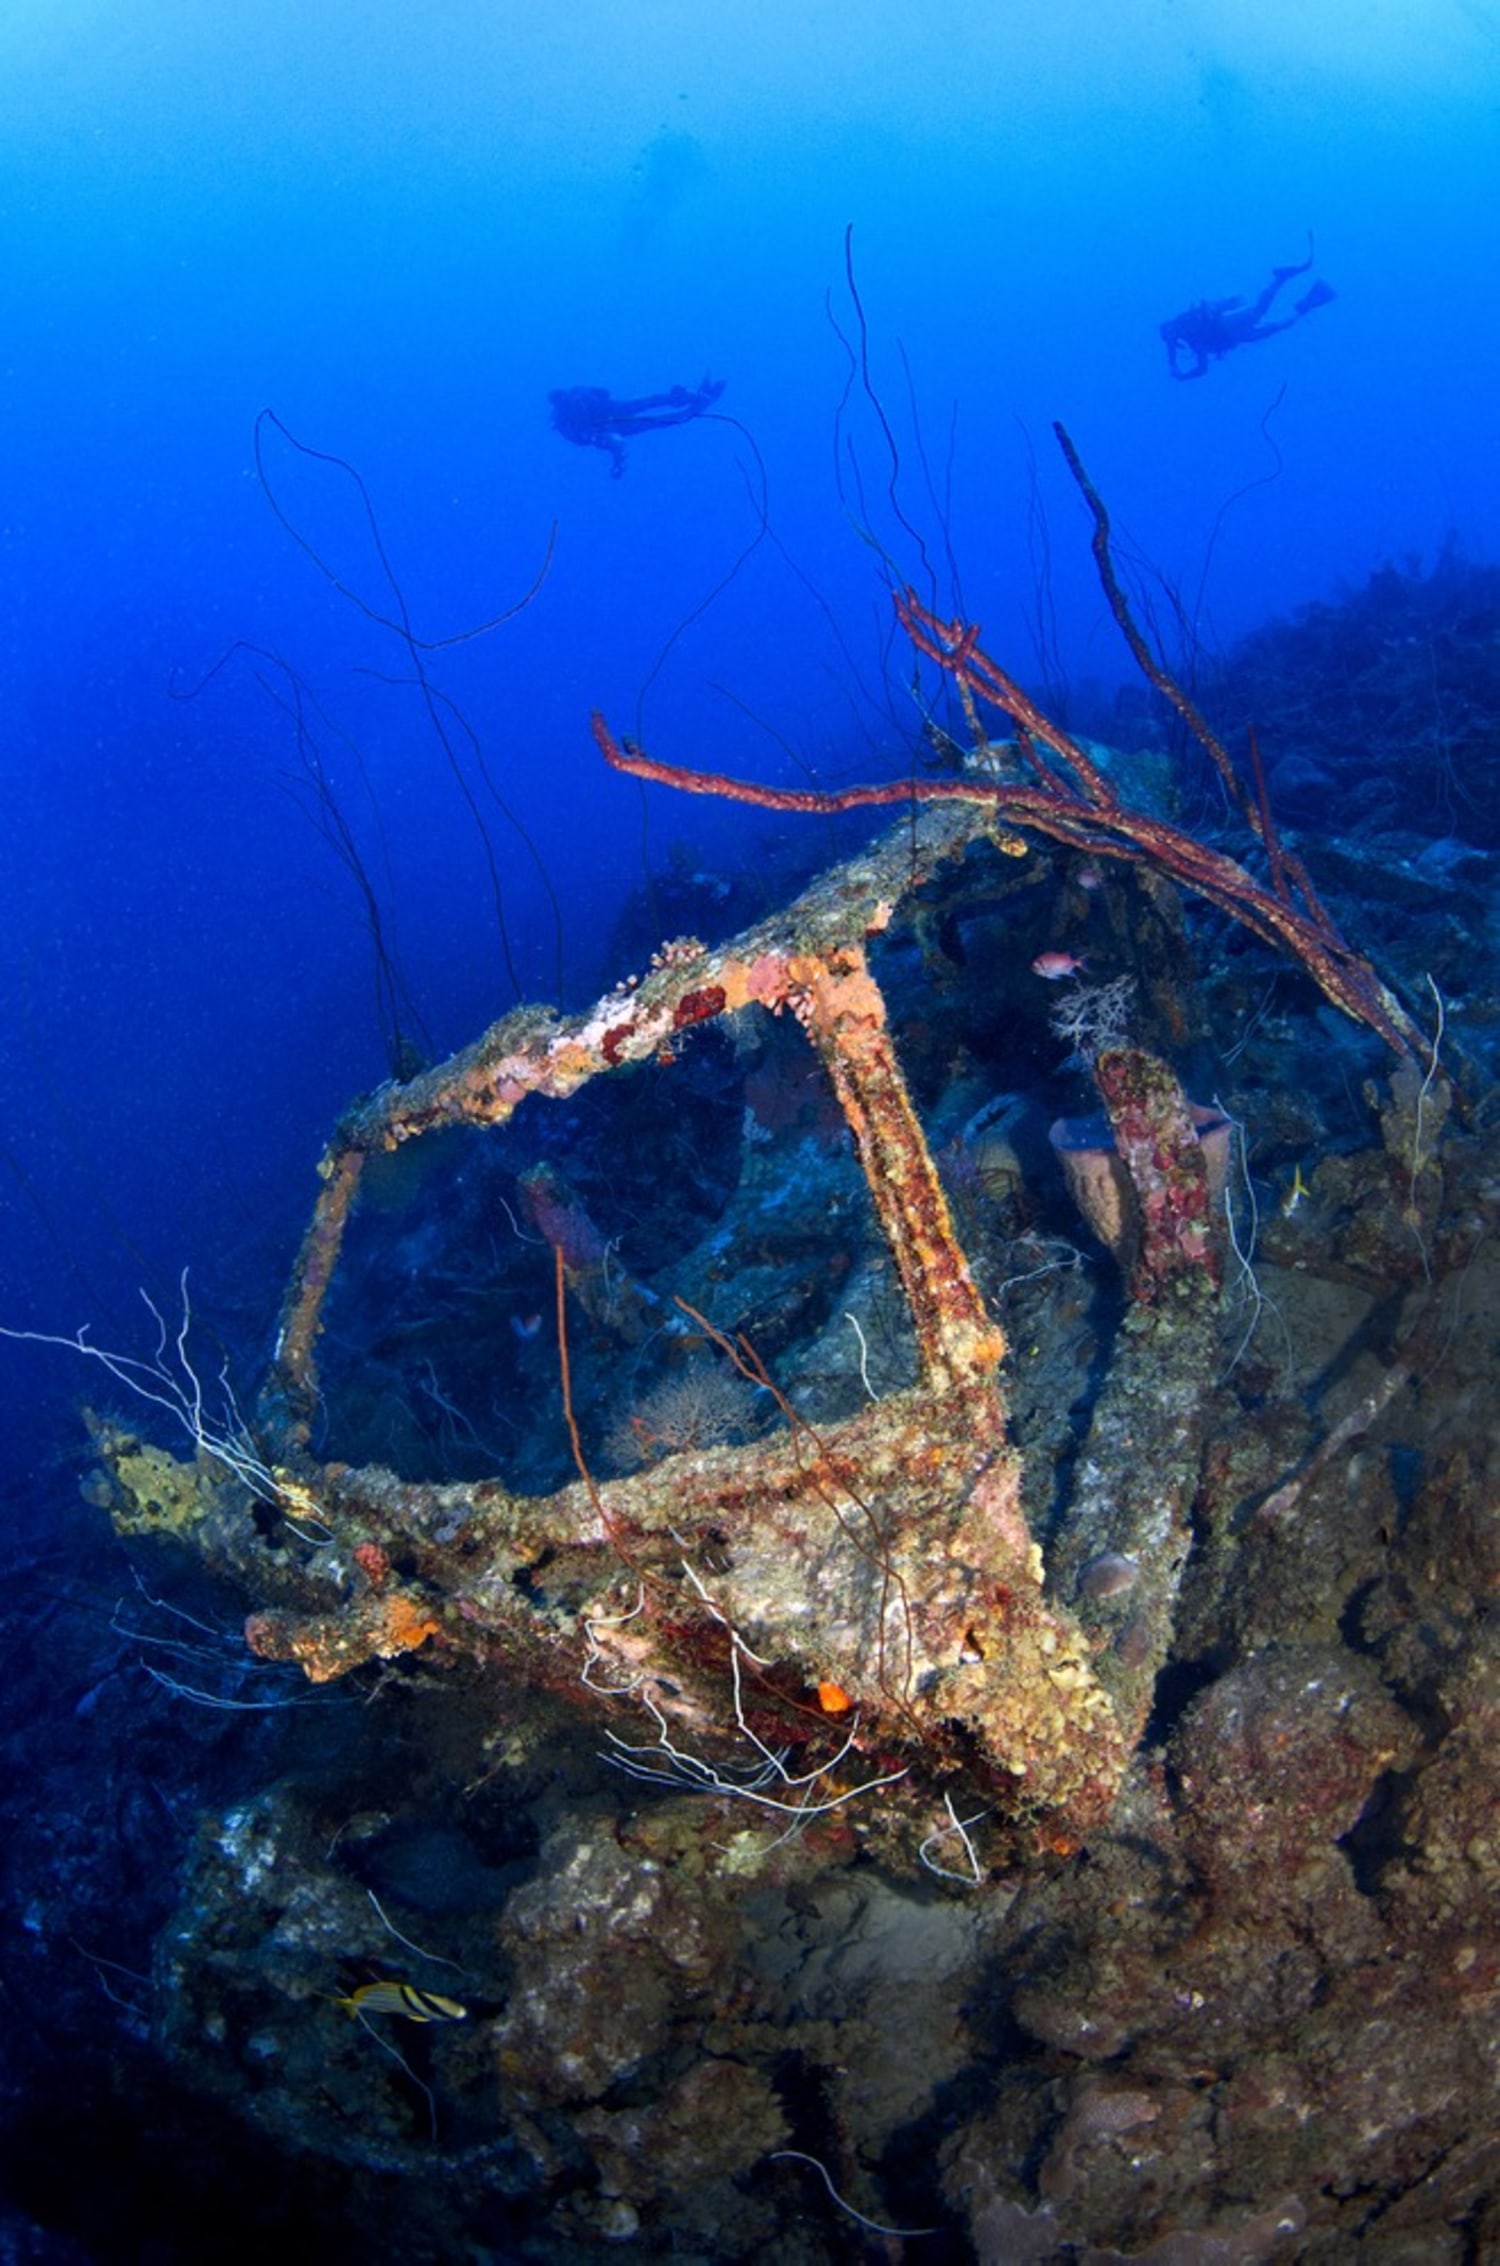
[(1094, 1018)]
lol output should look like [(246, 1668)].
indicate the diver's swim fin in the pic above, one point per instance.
[(1317, 295)]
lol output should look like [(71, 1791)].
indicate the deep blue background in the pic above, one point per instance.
[(400, 229)]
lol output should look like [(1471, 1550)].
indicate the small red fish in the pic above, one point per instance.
[(1055, 965)]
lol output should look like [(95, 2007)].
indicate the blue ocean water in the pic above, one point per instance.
[(305, 606), (400, 231)]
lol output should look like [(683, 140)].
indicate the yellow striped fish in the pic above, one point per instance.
[(402, 1998)]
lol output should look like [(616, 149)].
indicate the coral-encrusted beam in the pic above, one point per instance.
[(1084, 819), (807, 958), (840, 1006)]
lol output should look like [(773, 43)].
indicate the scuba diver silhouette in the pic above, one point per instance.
[(1215, 327), (592, 418)]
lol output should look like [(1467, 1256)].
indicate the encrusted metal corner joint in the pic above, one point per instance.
[(846, 1623)]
